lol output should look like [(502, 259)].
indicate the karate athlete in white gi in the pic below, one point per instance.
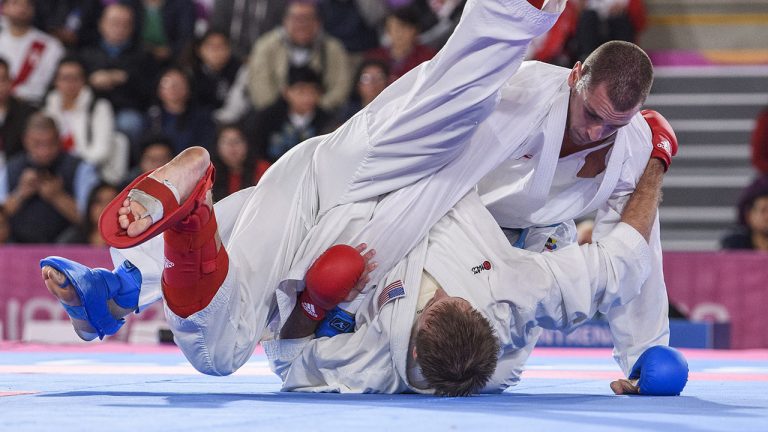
[(467, 262), (385, 177), (581, 145)]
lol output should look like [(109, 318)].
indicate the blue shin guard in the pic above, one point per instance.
[(95, 287)]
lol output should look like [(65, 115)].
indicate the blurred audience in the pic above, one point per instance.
[(371, 79), (300, 42), (5, 227), (214, 69), (156, 151), (244, 21), (177, 115), (601, 21), (87, 231), (446, 14), (31, 53), (13, 117), (237, 165), (294, 118), (167, 28), (354, 22), (44, 190), (403, 51), (752, 231), (120, 71), (558, 45), (73, 22), (759, 143), (86, 123)]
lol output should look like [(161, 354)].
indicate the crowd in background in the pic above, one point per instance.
[(95, 92)]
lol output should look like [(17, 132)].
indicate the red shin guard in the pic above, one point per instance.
[(194, 270)]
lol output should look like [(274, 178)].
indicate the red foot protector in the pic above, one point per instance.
[(194, 270), (173, 213)]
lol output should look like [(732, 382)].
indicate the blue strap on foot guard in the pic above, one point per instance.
[(662, 371), (95, 287), (336, 321)]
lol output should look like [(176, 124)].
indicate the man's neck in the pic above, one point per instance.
[(18, 31), (569, 147)]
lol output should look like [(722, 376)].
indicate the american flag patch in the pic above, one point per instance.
[(392, 291)]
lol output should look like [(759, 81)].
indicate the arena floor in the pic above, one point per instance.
[(117, 387)]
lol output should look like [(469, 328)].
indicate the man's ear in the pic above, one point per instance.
[(575, 75), (414, 353)]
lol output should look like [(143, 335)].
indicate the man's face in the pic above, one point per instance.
[(591, 116), (173, 88), (302, 97), (301, 23), (116, 25), (42, 146), (402, 34), (757, 218), (19, 12), (155, 156), (70, 79)]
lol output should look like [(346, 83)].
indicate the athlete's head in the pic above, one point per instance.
[(607, 91), (455, 346)]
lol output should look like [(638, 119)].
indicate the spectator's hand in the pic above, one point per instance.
[(101, 80), (617, 9), (161, 53), (50, 187), (28, 184)]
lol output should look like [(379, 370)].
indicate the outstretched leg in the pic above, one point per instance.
[(195, 262)]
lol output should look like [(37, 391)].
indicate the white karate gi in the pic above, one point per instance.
[(536, 188), (15, 49), (406, 158), (519, 292)]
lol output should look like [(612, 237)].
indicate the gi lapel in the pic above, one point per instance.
[(612, 172)]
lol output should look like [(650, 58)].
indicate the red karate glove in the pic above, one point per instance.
[(330, 280), (664, 139)]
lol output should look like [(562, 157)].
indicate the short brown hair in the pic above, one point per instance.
[(42, 121), (626, 70), (457, 350)]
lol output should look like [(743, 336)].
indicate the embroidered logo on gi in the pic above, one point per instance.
[(309, 308), (664, 145), (551, 244), (390, 292), (167, 263), (486, 265)]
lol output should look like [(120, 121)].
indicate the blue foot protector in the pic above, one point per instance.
[(95, 287)]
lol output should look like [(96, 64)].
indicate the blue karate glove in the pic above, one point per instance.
[(336, 321), (661, 371)]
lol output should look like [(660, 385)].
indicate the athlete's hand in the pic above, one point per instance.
[(664, 140), (331, 278), (364, 278)]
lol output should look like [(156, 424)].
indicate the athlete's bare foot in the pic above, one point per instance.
[(54, 280), (184, 172)]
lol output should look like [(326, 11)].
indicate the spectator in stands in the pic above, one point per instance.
[(403, 51), (354, 23), (120, 71), (371, 79), (86, 123), (293, 118), (87, 231), (13, 116), (244, 21), (73, 22), (31, 53), (214, 69), (759, 143), (601, 21), (44, 190), (237, 167), (156, 151), (752, 232), (167, 28), (299, 42), (5, 227), (558, 45), (446, 16), (177, 115)]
